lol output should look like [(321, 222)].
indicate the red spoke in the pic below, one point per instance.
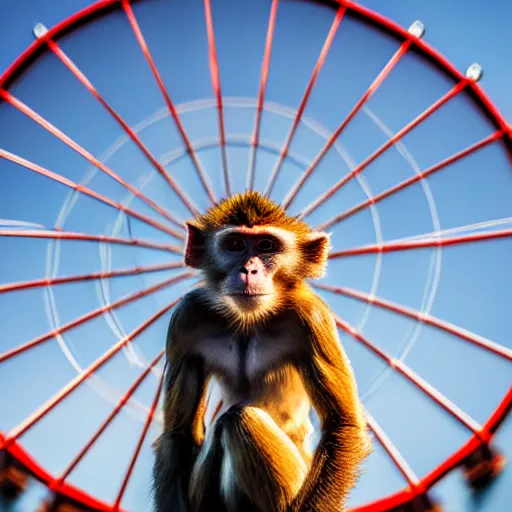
[(42, 411), (261, 94), (25, 109), (143, 434), (421, 244), (89, 192), (68, 235), (420, 317), (364, 98), (214, 71), (90, 87), (419, 382), (413, 179), (91, 315), (57, 483), (172, 109), (394, 454), (305, 98), (456, 89), (52, 281)]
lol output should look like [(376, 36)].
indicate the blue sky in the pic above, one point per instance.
[(468, 285)]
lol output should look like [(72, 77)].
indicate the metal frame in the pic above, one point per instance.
[(47, 39)]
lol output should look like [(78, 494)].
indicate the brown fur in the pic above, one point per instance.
[(274, 362), (250, 209)]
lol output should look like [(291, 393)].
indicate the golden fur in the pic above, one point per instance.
[(275, 355)]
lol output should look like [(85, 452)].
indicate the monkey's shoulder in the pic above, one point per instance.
[(195, 302), (192, 319), (310, 308)]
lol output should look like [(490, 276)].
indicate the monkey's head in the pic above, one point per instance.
[(252, 254)]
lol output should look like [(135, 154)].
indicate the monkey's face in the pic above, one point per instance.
[(249, 265), (252, 255)]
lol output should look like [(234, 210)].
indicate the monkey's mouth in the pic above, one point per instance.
[(248, 294)]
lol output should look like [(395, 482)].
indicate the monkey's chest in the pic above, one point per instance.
[(244, 360)]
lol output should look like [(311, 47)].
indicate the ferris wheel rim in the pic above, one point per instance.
[(486, 106)]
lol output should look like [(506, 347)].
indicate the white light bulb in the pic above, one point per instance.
[(475, 72), (417, 29), (40, 30)]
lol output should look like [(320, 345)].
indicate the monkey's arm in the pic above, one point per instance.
[(185, 397), (344, 444)]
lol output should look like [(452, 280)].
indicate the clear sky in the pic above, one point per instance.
[(468, 285)]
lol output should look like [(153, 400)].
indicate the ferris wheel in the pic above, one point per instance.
[(129, 117)]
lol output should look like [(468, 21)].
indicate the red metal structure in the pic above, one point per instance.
[(415, 493)]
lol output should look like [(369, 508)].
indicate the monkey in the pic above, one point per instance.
[(271, 344)]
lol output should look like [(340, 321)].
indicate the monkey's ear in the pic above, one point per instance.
[(315, 251), (196, 246)]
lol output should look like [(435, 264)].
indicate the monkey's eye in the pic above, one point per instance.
[(234, 244), (266, 245)]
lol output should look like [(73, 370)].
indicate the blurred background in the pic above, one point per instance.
[(67, 327)]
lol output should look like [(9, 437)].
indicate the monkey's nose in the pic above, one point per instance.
[(251, 267), (250, 273), (247, 271)]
